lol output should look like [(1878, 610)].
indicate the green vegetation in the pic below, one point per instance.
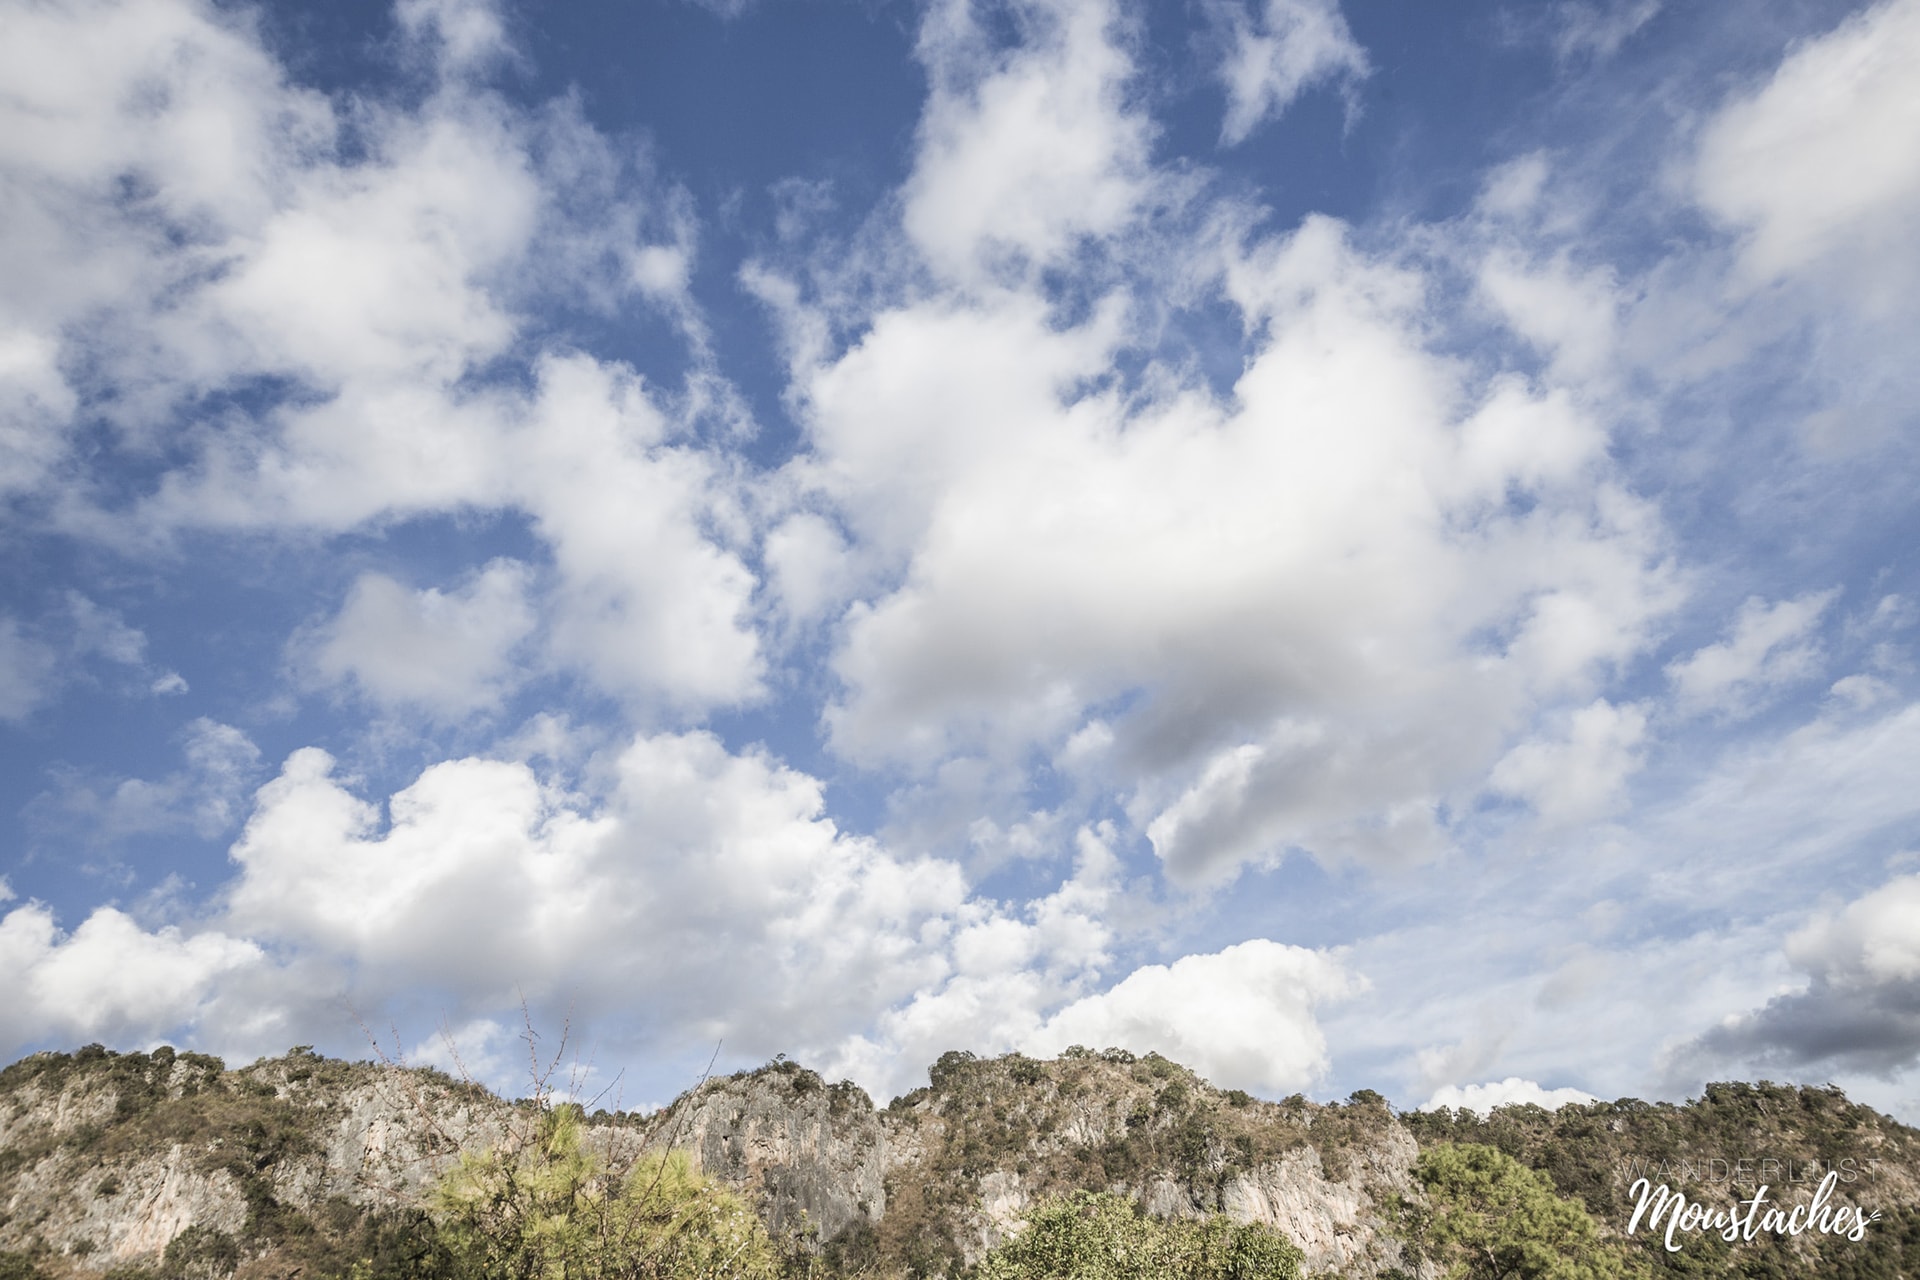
[(1492, 1218), (1099, 1236), (551, 1211), (1593, 1153)]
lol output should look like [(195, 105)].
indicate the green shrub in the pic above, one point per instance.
[(201, 1251), (551, 1210), (1100, 1236)]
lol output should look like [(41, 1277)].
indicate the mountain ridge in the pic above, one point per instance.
[(169, 1163)]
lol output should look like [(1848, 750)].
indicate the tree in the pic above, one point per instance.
[(1495, 1219), (550, 1210), (1100, 1236)]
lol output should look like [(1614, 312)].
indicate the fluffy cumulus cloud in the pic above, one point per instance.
[(446, 651), (374, 261), (1567, 312), (1024, 151), (702, 887), (1036, 980), (1315, 603), (1582, 776), (110, 978), (705, 885), (1242, 1017), (1513, 1091), (124, 124)]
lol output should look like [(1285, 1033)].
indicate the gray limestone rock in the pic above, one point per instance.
[(814, 1156)]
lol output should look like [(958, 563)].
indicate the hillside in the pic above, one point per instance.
[(136, 1166)]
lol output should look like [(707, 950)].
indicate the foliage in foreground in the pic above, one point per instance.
[(1492, 1218), (1101, 1236), (552, 1211)]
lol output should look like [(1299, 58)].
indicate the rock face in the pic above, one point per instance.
[(134, 1211), (812, 1156), (1332, 1222), (107, 1159), (173, 1163), (969, 1155)]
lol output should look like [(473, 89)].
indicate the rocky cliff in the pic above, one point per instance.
[(168, 1164)]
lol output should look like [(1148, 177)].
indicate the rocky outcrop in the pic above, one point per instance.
[(172, 1162), (385, 1139), (812, 1156), (989, 1138), (1338, 1225), (107, 1159), (125, 1213)]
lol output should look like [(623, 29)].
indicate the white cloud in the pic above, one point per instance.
[(1513, 189), (1582, 776), (808, 566), (27, 669), (1320, 587), (1823, 162), (470, 33), (388, 260), (1873, 940), (1599, 27), (1023, 153), (378, 263), (1276, 52), (1513, 1091), (134, 137), (1770, 646), (449, 652), (1862, 691), (108, 980), (1306, 785), (706, 891), (999, 972), (1567, 313), (1242, 1017), (652, 600), (36, 403), (1859, 1007), (104, 632), (205, 796), (703, 888)]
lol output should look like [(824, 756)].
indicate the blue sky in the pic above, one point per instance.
[(1360, 545)]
